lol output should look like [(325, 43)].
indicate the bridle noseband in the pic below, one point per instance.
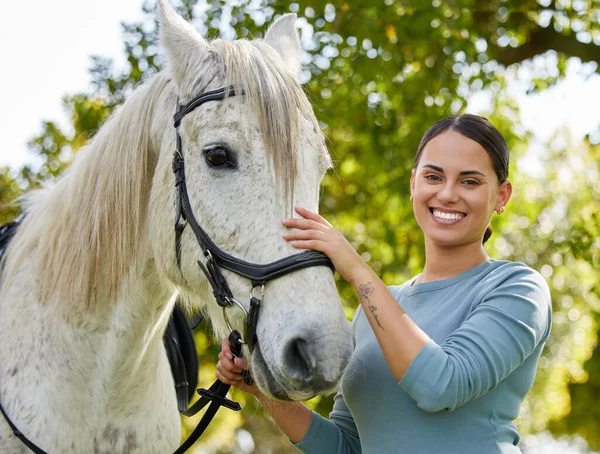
[(215, 257)]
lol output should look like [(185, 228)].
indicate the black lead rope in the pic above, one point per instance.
[(216, 396)]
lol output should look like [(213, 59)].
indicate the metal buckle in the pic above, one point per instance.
[(233, 301), (262, 292)]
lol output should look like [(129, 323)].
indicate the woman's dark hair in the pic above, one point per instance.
[(481, 131)]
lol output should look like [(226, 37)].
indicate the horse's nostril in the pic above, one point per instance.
[(300, 359)]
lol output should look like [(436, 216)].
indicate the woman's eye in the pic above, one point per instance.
[(471, 182), (433, 177), (217, 156)]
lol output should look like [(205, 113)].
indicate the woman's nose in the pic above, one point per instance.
[(448, 193)]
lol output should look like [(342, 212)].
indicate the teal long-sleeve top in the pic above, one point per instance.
[(463, 390)]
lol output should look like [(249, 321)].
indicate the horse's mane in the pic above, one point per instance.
[(91, 220), (95, 212), (274, 95)]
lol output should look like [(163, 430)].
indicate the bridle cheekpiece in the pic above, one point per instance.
[(216, 258)]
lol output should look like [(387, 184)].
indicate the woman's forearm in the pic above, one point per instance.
[(399, 337), (293, 418)]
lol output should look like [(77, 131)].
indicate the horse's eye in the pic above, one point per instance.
[(217, 156)]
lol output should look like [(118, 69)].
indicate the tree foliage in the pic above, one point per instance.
[(379, 73)]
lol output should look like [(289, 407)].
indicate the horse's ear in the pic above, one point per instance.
[(283, 37), (183, 44)]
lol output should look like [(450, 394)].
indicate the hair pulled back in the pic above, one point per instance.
[(481, 131)]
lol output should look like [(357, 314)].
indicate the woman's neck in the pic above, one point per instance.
[(445, 262)]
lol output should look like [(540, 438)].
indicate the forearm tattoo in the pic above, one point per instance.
[(364, 291)]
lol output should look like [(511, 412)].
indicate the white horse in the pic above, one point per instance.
[(88, 281)]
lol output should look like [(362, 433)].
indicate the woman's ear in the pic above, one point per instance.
[(504, 194), (412, 184)]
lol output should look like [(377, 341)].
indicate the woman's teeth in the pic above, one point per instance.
[(448, 216)]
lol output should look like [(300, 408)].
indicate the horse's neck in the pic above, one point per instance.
[(101, 381), (134, 344), (113, 352)]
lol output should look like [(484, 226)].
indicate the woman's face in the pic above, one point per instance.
[(455, 190)]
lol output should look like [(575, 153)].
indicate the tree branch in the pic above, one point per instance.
[(544, 39)]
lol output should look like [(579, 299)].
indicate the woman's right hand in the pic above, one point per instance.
[(293, 417), (229, 369)]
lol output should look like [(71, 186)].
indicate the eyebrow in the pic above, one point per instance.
[(464, 172)]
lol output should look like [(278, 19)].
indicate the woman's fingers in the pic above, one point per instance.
[(225, 349), (226, 360), (229, 369), (230, 365), (225, 354), (310, 232), (304, 235), (303, 224), (308, 214), (224, 379), (315, 245), (228, 374), (309, 220), (241, 363)]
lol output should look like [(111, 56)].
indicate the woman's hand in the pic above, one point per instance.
[(229, 369), (314, 232)]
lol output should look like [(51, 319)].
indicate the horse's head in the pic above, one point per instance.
[(249, 158)]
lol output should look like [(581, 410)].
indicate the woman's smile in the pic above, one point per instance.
[(448, 217)]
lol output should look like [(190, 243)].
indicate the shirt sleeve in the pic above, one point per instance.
[(337, 435), (497, 337)]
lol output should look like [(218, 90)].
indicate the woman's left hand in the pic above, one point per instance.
[(313, 231)]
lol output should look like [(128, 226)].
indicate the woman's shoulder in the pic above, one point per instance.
[(504, 272), (489, 278), (522, 292)]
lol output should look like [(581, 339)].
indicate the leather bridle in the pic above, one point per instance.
[(216, 259)]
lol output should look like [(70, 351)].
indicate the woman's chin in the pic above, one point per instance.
[(450, 239)]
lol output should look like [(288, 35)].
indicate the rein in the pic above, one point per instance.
[(216, 260)]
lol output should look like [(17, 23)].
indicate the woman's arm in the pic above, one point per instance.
[(497, 337), (399, 337), (506, 329)]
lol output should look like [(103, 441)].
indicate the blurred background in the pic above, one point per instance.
[(378, 74)]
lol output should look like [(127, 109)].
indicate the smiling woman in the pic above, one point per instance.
[(473, 177), (442, 362)]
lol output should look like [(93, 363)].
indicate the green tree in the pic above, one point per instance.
[(380, 72)]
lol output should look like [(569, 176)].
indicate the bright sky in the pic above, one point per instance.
[(45, 48)]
